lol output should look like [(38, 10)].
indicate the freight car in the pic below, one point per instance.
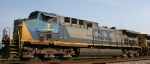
[(48, 35)]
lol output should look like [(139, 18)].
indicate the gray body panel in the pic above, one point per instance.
[(76, 33)]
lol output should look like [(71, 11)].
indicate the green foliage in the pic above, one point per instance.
[(147, 63), (1, 55), (9, 60), (35, 58)]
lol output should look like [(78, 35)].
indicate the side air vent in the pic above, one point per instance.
[(48, 36)]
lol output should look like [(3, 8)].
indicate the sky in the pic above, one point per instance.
[(122, 14)]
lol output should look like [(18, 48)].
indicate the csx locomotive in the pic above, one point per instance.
[(48, 35)]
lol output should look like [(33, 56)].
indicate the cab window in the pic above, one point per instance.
[(47, 18), (33, 15)]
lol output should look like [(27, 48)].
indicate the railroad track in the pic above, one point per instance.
[(54, 60), (105, 61), (80, 61)]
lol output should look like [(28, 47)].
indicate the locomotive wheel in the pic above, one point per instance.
[(137, 54), (77, 52), (124, 56), (131, 55)]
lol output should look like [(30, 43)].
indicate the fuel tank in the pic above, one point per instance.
[(99, 52)]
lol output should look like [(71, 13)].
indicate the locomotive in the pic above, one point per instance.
[(49, 35)]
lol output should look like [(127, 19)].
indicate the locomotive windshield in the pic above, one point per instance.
[(48, 18), (45, 17), (33, 15)]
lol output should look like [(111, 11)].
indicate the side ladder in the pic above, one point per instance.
[(14, 48)]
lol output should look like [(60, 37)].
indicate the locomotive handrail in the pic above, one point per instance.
[(1, 44), (6, 33)]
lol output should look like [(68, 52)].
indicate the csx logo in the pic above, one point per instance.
[(102, 34), (105, 35)]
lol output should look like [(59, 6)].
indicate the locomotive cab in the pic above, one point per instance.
[(40, 27)]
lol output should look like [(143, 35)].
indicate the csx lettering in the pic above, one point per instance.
[(102, 34), (105, 35)]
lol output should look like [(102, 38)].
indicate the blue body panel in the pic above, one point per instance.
[(36, 25)]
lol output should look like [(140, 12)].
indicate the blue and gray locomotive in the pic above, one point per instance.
[(48, 35)]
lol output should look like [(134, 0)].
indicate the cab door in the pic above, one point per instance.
[(41, 37)]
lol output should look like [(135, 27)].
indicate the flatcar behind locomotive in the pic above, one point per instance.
[(48, 35)]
